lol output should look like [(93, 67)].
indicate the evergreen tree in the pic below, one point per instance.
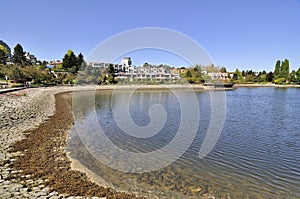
[(69, 60), (277, 70), (285, 69), (270, 77), (19, 55), (80, 60)]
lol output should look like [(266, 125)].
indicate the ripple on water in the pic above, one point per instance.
[(257, 155)]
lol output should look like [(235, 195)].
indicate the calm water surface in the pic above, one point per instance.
[(257, 155)]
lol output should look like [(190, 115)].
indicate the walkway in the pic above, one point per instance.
[(8, 90)]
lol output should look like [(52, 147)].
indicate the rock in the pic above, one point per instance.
[(196, 190)]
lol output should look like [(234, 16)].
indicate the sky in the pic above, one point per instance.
[(244, 34)]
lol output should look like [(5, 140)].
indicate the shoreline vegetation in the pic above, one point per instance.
[(19, 70)]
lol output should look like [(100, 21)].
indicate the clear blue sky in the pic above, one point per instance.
[(245, 34)]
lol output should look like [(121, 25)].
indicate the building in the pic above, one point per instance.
[(54, 63), (148, 72), (126, 70), (30, 58), (126, 61), (218, 76)]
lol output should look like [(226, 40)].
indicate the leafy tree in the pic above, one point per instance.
[(249, 77), (262, 77), (69, 79), (19, 55), (194, 75), (3, 57), (16, 73), (6, 51)]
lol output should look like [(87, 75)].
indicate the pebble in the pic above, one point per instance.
[(20, 112)]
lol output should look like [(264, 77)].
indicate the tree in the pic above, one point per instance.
[(237, 75), (223, 70), (19, 55), (211, 69), (298, 75), (80, 60), (270, 76), (3, 57), (277, 70), (262, 77), (111, 70), (188, 74), (4, 49), (282, 71), (244, 73), (198, 68), (16, 73), (293, 76), (69, 60), (285, 69)]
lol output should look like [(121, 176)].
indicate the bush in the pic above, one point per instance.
[(279, 81)]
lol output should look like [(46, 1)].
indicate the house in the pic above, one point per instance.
[(54, 63), (30, 58)]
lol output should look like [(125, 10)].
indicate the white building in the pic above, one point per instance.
[(218, 76), (147, 72), (30, 58)]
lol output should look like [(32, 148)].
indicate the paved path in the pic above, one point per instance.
[(8, 90)]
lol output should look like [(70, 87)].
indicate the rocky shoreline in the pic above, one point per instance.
[(33, 161)]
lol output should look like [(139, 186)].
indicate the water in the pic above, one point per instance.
[(257, 155)]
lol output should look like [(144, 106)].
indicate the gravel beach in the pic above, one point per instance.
[(34, 125)]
